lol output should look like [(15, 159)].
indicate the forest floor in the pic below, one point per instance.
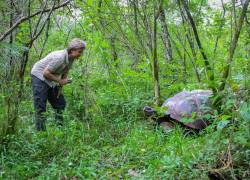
[(134, 148), (106, 136)]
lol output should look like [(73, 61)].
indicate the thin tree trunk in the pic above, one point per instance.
[(155, 63), (209, 71), (29, 45), (45, 39), (165, 34), (112, 34), (11, 42), (147, 25), (220, 28), (184, 65), (233, 46), (11, 101), (113, 47), (99, 14), (191, 44), (191, 58), (135, 5)]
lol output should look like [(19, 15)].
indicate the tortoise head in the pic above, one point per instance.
[(148, 111)]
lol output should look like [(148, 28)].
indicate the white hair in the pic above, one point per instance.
[(76, 43)]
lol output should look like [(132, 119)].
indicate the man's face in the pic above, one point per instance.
[(76, 53)]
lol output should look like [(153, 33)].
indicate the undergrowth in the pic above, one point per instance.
[(107, 136)]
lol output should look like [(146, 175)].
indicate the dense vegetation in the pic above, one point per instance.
[(138, 53)]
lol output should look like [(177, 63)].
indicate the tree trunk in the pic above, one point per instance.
[(209, 71), (155, 63), (113, 48), (191, 44), (165, 35), (11, 42), (220, 28), (233, 46)]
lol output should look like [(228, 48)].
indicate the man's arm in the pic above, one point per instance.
[(49, 75)]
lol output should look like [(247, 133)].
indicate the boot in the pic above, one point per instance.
[(40, 120)]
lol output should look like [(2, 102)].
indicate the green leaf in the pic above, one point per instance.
[(245, 111), (187, 120), (225, 117), (222, 124)]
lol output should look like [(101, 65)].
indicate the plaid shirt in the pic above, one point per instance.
[(57, 62)]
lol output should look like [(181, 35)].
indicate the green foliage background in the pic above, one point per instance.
[(106, 134)]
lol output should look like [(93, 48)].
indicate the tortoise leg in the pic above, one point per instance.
[(167, 126), (165, 123), (190, 132)]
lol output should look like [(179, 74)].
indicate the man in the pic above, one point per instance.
[(48, 76)]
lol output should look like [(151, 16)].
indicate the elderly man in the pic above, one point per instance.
[(48, 76)]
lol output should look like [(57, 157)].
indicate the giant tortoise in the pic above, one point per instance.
[(187, 108)]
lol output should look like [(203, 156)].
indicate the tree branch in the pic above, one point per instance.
[(25, 18)]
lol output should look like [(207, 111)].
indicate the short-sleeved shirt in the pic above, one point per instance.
[(57, 62)]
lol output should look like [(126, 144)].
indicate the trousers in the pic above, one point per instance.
[(42, 93)]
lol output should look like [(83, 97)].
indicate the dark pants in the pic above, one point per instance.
[(41, 93)]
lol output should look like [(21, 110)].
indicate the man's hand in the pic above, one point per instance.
[(64, 81), (49, 75)]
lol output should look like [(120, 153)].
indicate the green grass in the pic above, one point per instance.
[(109, 138), (114, 148)]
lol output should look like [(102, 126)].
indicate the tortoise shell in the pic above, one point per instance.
[(188, 108)]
